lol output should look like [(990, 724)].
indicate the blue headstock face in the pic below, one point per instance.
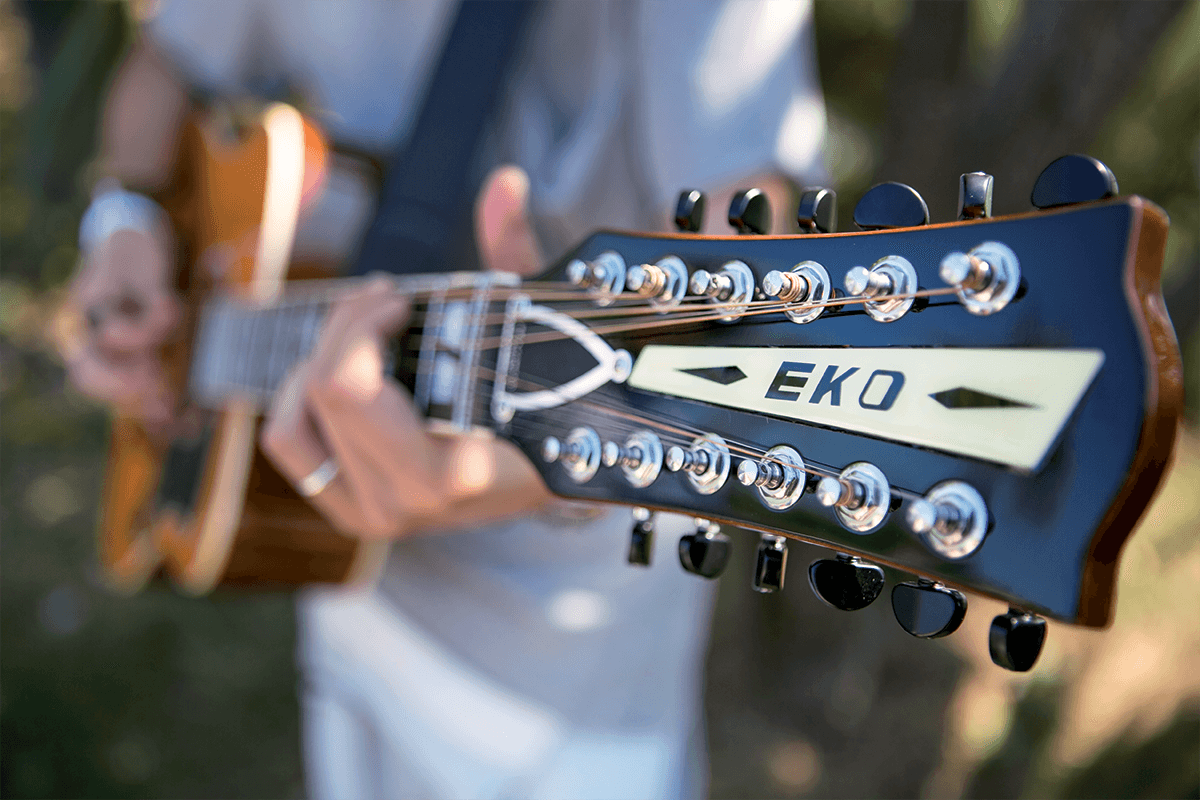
[(989, 404)]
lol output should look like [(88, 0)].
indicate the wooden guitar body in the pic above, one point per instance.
[(207, 508)]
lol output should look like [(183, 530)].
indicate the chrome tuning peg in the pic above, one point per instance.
[(975, 195), (817, 212), (928, 610), (951, 520), (891, 205), (987, 277), (860, 496), (771, 563), (805, 289), (1015, 640), (845, 582), (604, 278), (1073, 179), (705, 552), (640, 458), (732, 288), (689, 211), (664, 282), (879, 285), (706, 462), (641, 538), (779, 476), (750, 212), (579, 453)]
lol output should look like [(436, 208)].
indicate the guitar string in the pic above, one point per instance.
[(715, 311), (697, 306), (700, 309), (744, 451), (684, 437), (718, 312)]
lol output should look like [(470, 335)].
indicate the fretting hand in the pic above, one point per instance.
[(351, 437)]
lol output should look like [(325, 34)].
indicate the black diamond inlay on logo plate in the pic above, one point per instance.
[(963, 397), (721, 375)]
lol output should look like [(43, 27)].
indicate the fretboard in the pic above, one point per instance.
[(245, 351)]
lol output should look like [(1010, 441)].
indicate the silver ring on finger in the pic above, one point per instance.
[(315, 482)]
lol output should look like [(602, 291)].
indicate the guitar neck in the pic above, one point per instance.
[(244, 350)]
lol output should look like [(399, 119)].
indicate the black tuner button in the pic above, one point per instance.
[(845, 583), (689, 211), (641, 540), (975, 195), (1073, 179), (1015, 639), (771, 564), (891, 205), (750, 212), (928, 610), (705, 552), (818, 210)]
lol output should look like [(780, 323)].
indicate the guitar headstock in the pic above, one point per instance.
[(988, 404)]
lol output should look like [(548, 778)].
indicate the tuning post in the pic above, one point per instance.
[(805, 288), (579, 454), (604, 278), (706, 462), (832, 492), (779, 476), (951, 520), (690, 461), (860, 496), (640, 459), (715, 286), (764, 474), (786, 286), (732, 287), (665, 282), (986, 277), (886, 288)]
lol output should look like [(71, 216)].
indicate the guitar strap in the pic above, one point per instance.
[(423, 222)]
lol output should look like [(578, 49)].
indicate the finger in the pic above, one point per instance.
[(376, 310), (359, 411), (356, 500), (503, 229), (383, 444), (291, 441)]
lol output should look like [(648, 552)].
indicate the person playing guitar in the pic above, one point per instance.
[(509, 653)]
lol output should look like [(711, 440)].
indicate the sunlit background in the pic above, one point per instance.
[(156, 695)]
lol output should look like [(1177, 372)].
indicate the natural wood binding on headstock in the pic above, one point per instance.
[(1164, 404)]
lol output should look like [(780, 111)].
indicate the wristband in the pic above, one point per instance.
[(116, 209)]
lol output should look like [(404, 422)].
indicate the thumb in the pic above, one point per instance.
[(502, 228)]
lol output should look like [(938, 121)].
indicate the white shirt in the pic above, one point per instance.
[(527, 659)]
